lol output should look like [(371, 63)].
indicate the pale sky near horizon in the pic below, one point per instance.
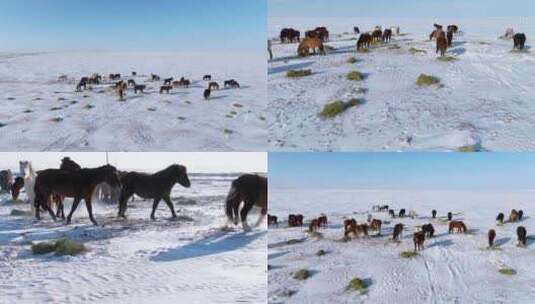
[(198, 162), (400, 9)]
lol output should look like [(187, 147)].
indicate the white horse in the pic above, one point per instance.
[(29, 175)]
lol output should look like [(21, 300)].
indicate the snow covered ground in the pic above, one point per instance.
[(453, 268), (486, 101), (190, 260), (40, 113)]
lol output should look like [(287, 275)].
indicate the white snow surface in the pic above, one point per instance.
[(486, 101), (188, 260), (452, 268), (31, 97)]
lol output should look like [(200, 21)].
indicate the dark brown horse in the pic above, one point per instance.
[(513, 217), (434, 213), (500, 218), (522, 235), (15, 188), (78, 184), (492, 236), (429, 230), (418, 238), (295, 220), (272, 220), (442, 43), (314, 226), (68, 164), (323, 220), (206, 93), (155, 186), (364, 41), (398, 228), (387, 35), (250, 189), (165, 88)]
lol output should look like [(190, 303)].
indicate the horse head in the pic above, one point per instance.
[(111, 176), (180, 172)]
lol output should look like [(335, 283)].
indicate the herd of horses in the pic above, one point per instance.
[(315, 39), (50, 187), (120, 85), (426, 231)]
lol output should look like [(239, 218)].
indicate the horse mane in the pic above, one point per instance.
[(168, 170)]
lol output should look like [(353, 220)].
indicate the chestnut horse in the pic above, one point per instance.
[(457, 226), (252, 190), (315, 225), (418, 238), (310, 43), (376, 225), (350, 226), (513, 217), (156, 186), (78, 184)]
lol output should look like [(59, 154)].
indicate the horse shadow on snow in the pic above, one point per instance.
[(217, 243)]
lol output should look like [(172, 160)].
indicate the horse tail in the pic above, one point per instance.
[(232, 199)]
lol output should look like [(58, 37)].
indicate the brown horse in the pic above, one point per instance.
[(376, 225), (15, 188), (76, 184), (458, 226), (418, 238), (155, 186), (522, 235), (314, 226), (442, 43), (206, 93), (398, 229), (377, 35), (492, 236), (434, 213), (387, 35), (310, 43), (165, 88), (355, 229), (323, 220), (68, 164), (250, 189), (364, 41)]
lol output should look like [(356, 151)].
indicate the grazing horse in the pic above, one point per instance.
[(377, 35), (156, 186), (519, 39), (492, 236), (350, 226), (207, 77), (182, 82), (418, 238), (429, 230), (6, 180), (154, 77), (356, 30), (314, 226), (320, 32), (167, 81), (165, 88), (322, 220), (392, 213), (15, 188), (398, 228), (295, 220), (289, 35), (458, 226), (78, 184), (434, 213), (513, 217), (213, 86), (81, 83), (522, 235), (387, 35), (206, 93), (520, 214), (383, 208), (364, 41), (376, 225), (252, 190), (310, 43), (272, 220), (139, 87), (500, 218), (450, 216), (231, 83), (402, 212), (442, 43)]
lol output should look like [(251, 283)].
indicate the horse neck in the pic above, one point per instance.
[(95, 176)]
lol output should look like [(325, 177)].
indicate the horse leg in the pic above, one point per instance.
[(154, 206), (50, 211), (169, 203), (73, 207), (123, 199), (90, 209), (243, 214), (261, 217)]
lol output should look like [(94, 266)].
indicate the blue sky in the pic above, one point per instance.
[(401, 8), (154, 25), (428, 171)]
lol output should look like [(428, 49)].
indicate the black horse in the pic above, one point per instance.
[(252, 190), (156, 186), (519, 40), (79, 184)]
